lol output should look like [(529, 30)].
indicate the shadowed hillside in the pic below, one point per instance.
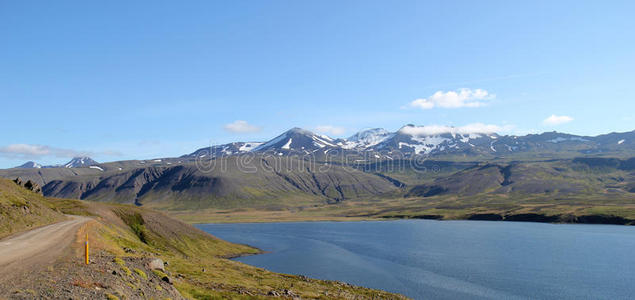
[(261, 182), (249, 187)]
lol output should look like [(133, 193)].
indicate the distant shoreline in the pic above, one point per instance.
[(593, 219)]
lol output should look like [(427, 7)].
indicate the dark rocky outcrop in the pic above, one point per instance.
[(29, 185), (428, 217), (532, 217), (603, 219), (485, 217), (395, 182), (542, 218)]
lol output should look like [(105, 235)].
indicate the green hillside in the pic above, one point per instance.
[(262, 182), (265, 188), (22, 209)]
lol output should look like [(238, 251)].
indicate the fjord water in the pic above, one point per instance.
[(426, 259)]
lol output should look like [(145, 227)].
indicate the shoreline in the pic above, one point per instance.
[(591, 219)]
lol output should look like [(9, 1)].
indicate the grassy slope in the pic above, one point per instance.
[(437, 207), (565, 188), (555, 188), (262, 182), (552, 187), (200, 259), (21, 209)]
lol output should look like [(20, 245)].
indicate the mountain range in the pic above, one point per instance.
[(411, 140), (408, 141), (299, 169), (75, 162)]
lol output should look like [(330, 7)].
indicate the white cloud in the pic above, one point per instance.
[(240, 126), (454, 99), (467, 129), (328, 129), (29, 151), (557, 120), (25, 149)]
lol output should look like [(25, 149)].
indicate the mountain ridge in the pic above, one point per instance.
[(75, 162), (407, 142), (299, 169), (411, 140)]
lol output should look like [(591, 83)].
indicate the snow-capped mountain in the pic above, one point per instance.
[(297, 140), (365, 139), (76, 162), (408, 141), (428, 140), (412, 140), (30, 165), (80, 162), (225, 149)]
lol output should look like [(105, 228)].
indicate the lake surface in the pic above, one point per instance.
[(450, 259)]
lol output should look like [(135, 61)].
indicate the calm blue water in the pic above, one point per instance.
[(450, 259)]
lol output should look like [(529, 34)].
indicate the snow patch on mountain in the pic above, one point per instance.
[(561, 139), (79, 162), (366, 138), (30, 165), (416, 148), (287, 146), (271, 143), (323, 141), (475, 128), (247, 147)]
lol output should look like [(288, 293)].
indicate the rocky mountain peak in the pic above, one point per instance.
[(80, 161), (30, 165)]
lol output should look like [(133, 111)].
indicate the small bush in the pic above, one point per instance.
[(135, 221), (140, 231), (141, 273), (119, 261), (159, 273), (111, 297), (126, 270)]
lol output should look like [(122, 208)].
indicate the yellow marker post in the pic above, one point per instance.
[(87, 260)]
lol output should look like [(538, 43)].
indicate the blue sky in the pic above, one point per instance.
[(143, 79)]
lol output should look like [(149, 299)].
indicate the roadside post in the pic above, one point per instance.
[(86, 250)]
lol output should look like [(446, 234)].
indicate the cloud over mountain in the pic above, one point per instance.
[(454, 99), (28, 151), (329, 129), (557, 120), (33, 151), (467, 129), (240, 126)]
